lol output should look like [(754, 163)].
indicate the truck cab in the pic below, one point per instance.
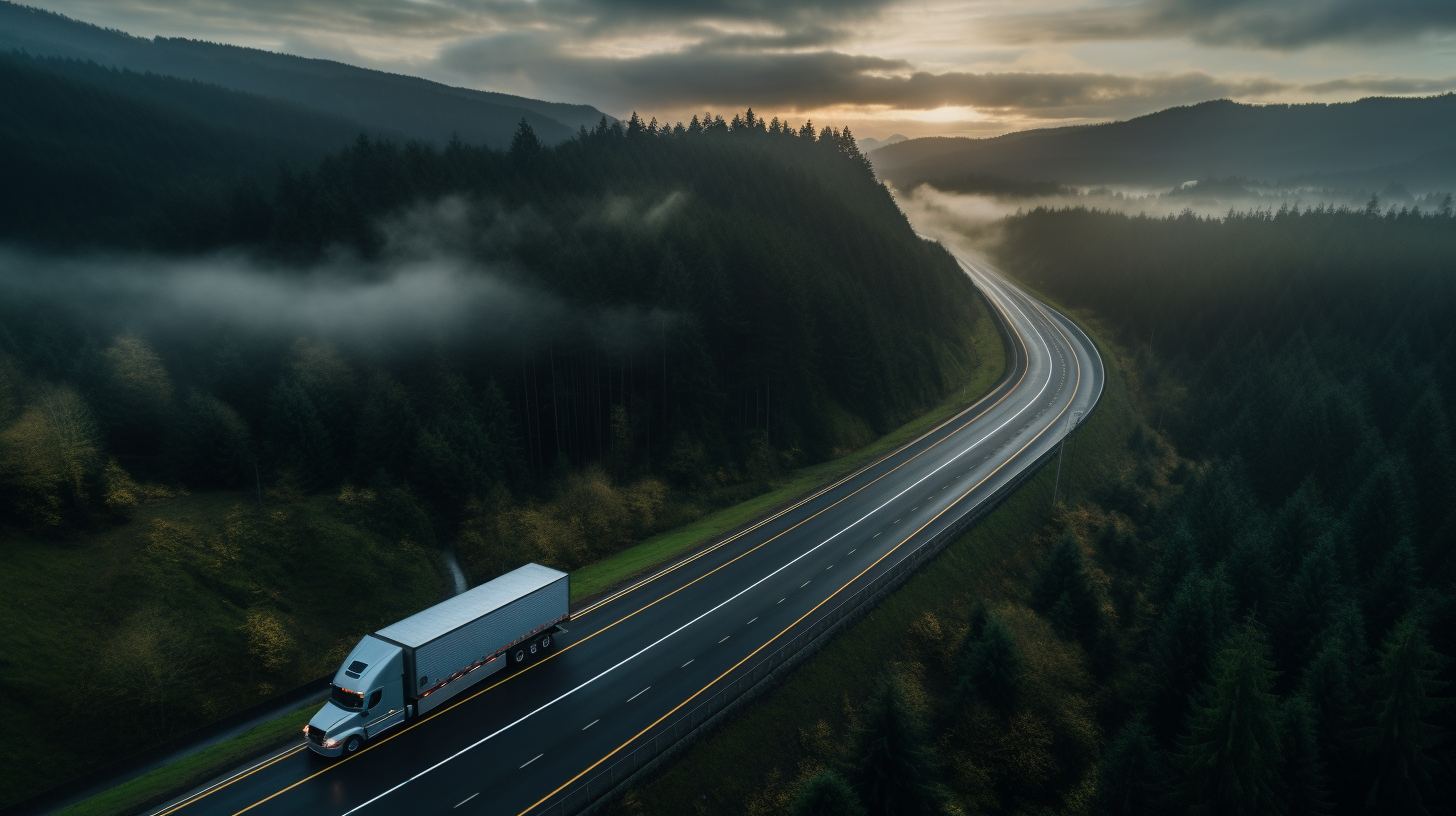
[(366, 698)]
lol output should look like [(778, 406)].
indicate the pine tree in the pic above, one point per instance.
[(1391, 591), (990, 668), (525, 147), (1177, 560), (1184, 642), (889, 767), (1401, 708), (1063, 592), (1230, 754), (826, 794), (1311, 600), (1304, 773), (1130, 777)]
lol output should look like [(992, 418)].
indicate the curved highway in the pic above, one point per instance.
[(632, 668)]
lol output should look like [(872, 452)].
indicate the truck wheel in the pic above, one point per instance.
[(545, 641), (353, 744), (520, 655)]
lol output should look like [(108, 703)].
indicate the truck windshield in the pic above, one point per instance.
[(344, 698)]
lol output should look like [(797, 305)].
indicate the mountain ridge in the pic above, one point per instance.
[(1402, 136), (378, 100)]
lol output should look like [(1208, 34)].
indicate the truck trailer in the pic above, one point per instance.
[(412, 667)]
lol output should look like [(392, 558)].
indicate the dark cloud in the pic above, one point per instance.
[(711, 76), (1382, 85), (1276, 24)]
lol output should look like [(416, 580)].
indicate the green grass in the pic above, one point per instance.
[(161, 784), (610, 571), (146, 623), (763, 746)]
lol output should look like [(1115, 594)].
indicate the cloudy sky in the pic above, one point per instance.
[(973, 67)]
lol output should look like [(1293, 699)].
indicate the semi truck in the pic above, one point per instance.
[(410, 668)]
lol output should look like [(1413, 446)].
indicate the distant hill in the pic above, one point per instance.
[(1372, 142), (867, 144), (379, 101), (87, 152)]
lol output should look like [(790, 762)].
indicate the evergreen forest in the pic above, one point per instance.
[(633, 328), (1290, 596)]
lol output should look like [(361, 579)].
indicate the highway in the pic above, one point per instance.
[(636, 665)]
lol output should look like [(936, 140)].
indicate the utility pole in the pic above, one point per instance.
[(1061, 452)]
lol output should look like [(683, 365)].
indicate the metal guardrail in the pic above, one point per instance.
[(661, 748)]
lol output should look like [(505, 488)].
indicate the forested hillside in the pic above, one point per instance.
[(1371, 143), (1298, 601), (90, 153), (306, 390), (380, 101)]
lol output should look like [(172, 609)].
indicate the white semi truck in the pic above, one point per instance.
[(411, 668)]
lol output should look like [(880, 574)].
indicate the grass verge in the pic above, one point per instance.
[(596, 578), (156, 786), (771, 744)]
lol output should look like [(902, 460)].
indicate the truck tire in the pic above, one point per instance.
[(352, 745), (520, 656), (545, 641)]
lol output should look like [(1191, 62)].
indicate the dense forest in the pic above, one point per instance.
[(1299, 609), (1250, 613), (308, 386), (90, 153), (723, 300)]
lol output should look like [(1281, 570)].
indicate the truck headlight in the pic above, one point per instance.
[(331, 743)]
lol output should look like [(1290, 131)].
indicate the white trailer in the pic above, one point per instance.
[(412, 667)]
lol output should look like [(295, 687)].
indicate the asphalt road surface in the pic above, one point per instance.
[(632, 666)]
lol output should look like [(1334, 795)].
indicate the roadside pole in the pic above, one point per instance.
[(1072, 422)]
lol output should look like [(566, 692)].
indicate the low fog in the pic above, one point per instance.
[(976, 214), (427, 286)]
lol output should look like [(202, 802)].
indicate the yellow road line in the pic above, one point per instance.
[(815, 608), (801, 618)]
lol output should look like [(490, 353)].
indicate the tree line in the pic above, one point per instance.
[(778, 310)]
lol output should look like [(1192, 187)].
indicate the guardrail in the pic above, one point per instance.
[(662, 748)]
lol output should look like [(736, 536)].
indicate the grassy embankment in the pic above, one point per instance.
[(164, 782), (772, 745), (587, 581)]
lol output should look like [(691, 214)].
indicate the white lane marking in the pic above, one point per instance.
[(781, 600), (629, 699), (853, 551), (533, 759), (468, 798), (590, 724), (877, 535), (736, 595), (725, 639), (801, 586), (750, 621), (685, 665), (830, 567)]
